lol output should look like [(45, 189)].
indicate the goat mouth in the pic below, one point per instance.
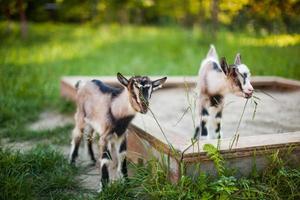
[(144, 108), (144, 111), (248, 95)]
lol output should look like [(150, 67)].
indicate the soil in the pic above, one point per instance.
[(50, 120)]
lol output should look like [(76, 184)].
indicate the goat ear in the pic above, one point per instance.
[(238, 59), (158, 83), (233, 71), (122, 79), (224, 65)]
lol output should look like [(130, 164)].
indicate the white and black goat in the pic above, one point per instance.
[(108, 111), (214, 82)]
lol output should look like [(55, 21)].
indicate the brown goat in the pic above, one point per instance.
[(108, 111)]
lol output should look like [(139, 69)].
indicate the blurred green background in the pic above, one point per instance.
[(40, 41)]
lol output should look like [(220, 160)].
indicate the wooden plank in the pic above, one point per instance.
[(244, 145)]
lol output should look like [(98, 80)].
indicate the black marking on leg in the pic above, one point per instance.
[(204, 112), (218, 128), (74, 154), (106, 154), (219, 114), (104, 175), (216, 100), (196, 135), (124, 168), (203, 129), (90, 150), (216, 67), (123, 146)]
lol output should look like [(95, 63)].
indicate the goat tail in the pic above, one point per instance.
[(78, 84), (212, 53)]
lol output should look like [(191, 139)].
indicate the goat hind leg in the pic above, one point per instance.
[(88, 131), (201, 130), (76, 139)]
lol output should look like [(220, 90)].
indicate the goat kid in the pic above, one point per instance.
[(214, 82), (108, 111)]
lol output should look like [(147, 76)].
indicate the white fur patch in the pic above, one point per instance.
[(243, 69)]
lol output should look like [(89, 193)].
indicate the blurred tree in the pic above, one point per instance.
[(273, 15), (23, 19), (6, 7), (214, 14), (12, 7), (270, 15)]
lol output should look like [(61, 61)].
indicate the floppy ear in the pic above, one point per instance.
[(157, 83), (224, 65), (238, 59), (122, 79)]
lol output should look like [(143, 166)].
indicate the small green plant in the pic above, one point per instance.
[(277, 181), (214, 154)]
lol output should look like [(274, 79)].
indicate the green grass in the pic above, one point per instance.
[(41, 173), (30, 73), (280, 180), (30, 70)]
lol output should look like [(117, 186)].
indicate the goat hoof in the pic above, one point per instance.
[(72, 163)]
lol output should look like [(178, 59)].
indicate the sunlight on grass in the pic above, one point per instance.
[(31, 68), (272, 40)]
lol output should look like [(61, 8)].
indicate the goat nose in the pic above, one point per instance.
[(251, 89)]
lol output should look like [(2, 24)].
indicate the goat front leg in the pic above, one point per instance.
[(216, 116), (105, 161), (121, 155)]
